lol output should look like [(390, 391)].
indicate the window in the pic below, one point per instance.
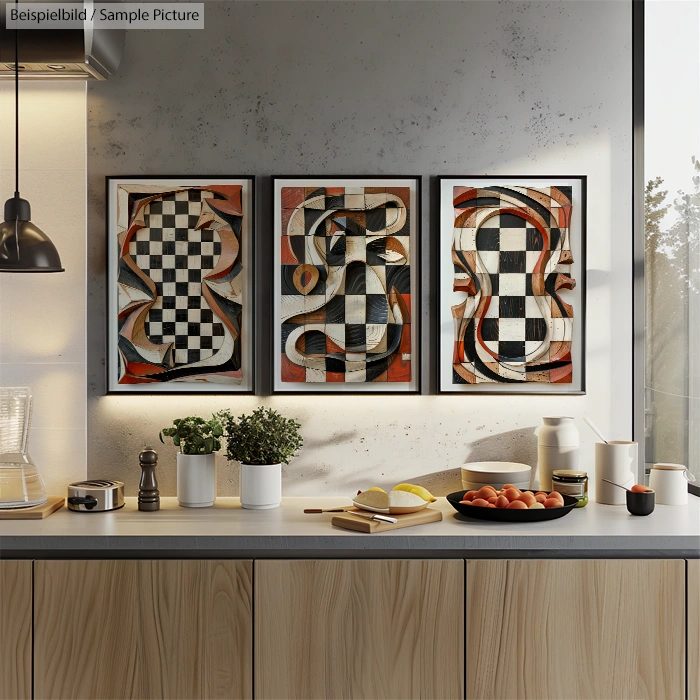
[(672, 232)]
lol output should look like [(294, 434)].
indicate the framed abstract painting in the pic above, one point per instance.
[(180, 307), (512, 285), (346, 285)]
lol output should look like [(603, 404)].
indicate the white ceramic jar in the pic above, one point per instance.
[(670, 481), (261, 485), (557, 448), (615, 461), (196, 480)]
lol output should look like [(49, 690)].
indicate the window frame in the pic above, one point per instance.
[(638, 246)]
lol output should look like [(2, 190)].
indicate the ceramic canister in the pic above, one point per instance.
[(616, 461), (670, 481), (557, 448)]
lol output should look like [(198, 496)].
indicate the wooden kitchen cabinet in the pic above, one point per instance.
[(143, 629), (15, 630), (694, 629), (575, 630), (359, 629)]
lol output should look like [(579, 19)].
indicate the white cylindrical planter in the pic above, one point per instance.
[(196, 480), (261, 485), (557, 448), (615, 461)]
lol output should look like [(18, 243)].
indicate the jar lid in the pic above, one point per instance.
[(569, 474), (667, 466)]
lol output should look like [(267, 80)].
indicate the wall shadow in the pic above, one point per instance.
[(511, 446)]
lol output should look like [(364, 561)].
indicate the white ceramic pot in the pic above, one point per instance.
[(261, 485), (477, 474), (670, 481), (196, 480), (617, 462), (557, 448)]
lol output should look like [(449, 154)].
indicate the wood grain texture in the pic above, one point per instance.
[(575, 630), (53, 504), (694, 629), (15, 630), (359, 629), (358, 523), (143, 629)]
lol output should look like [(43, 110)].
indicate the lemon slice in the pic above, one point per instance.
[(418, 490)]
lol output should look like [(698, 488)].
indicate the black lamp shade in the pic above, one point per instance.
[(24, 247)]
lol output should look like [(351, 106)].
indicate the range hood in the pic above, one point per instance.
[(73, 54)]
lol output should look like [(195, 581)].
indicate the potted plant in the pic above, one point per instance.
[(197, 439), (261, 442)]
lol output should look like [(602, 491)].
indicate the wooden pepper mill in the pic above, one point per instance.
[(149, 496)]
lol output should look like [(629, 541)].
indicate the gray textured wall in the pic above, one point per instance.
[(416, 88)]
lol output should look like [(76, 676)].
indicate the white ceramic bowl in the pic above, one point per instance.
[(477, 474), (496, 483)]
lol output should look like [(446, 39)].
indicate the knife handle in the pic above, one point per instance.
[(325, 510)]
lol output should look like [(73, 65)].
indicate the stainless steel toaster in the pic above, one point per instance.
[(95, 495)]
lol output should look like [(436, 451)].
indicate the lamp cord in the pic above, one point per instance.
[(16, 112)]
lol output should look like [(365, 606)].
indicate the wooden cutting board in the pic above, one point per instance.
[(355, 522), (35, 513)]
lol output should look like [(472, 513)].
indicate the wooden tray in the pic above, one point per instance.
[(352, 522), (35, 513)]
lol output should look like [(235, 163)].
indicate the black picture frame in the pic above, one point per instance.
[(216, 388), (581, 280), (416, 306)]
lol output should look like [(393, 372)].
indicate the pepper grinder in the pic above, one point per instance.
[(149, 496)]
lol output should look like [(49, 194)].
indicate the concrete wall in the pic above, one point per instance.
[(42, 317), (377, 88)]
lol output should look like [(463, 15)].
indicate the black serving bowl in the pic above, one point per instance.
[(641, 503), (504, 515)]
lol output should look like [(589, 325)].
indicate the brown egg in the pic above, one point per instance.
[(485, 492), (639, 488), (510, 486), (517, 505), (512, 494), (553, 503), (492, 505), (502, 502), (493, 499), (469, 495), (527, 498), (480, 502), (557, 495), (540, 497)]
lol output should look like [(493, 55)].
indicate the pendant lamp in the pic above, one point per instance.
[(24, 247)]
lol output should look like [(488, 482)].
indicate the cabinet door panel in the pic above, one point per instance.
[(694, 629), (575, 630), (359, 629), (143, 629), (15, 630)]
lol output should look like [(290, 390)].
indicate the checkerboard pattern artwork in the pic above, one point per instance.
[(177, 258), (180, 284), (512, 254), (345, 284)]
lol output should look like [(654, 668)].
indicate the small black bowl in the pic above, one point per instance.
[(641, 503)]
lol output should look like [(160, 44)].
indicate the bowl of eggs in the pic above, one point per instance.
[(511, 504)]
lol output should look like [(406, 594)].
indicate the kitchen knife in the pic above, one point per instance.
[(376, 516)]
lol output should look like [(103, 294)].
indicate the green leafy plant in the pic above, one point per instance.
[(195, 436), (263, 437)]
